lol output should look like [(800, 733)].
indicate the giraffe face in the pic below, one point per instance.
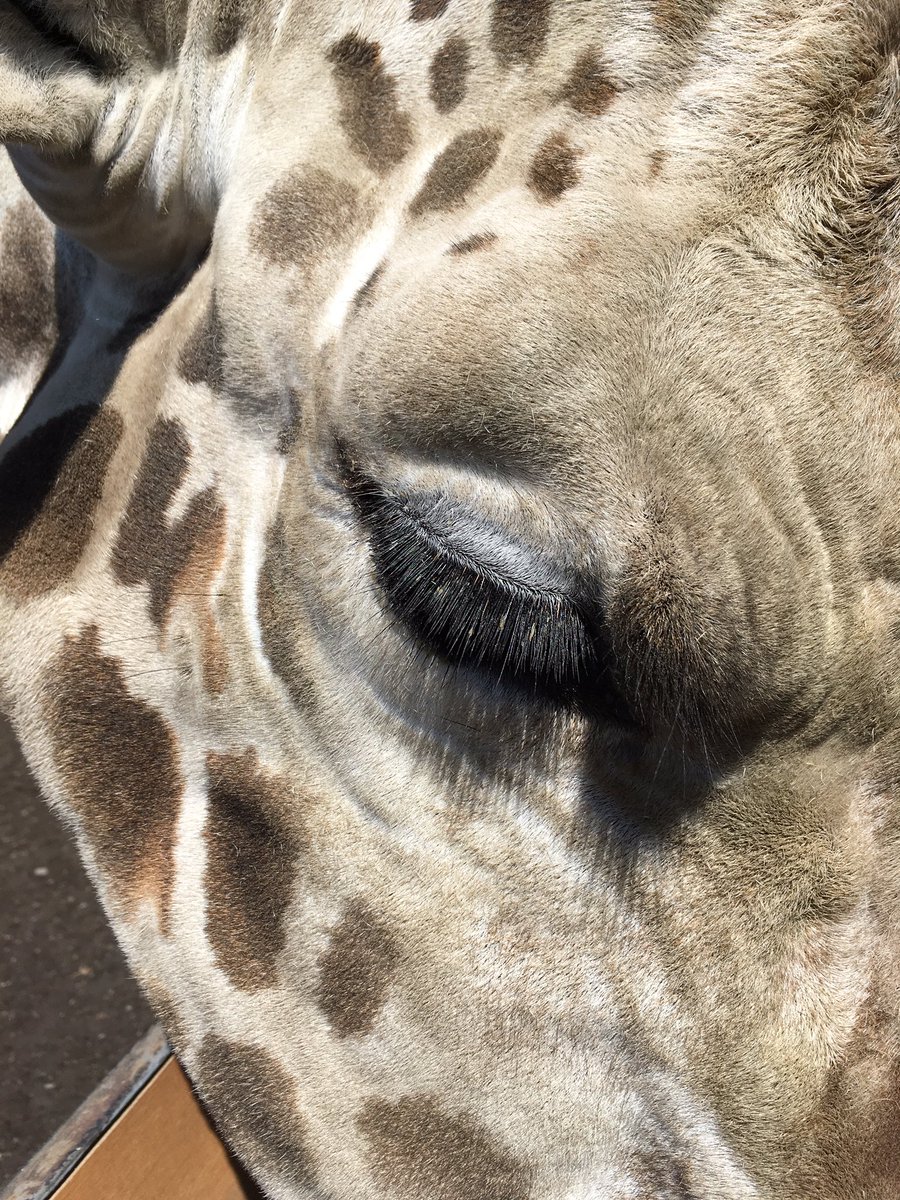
[(447, 575)]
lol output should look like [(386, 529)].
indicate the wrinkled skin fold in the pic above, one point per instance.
[(449, 572)]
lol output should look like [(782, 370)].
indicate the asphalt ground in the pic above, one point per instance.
[(69, 1010)]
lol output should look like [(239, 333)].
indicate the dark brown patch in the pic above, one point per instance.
[(519, 30), (457, 170), (226, 25), (142, 542), (420, 1150), (213, 656), (302, 216), (51, 484), (171, 559), (251, 854), (364, 295), (379, 132), (291, 425), (449, 72), (198, 550), (281, 614), (199, 360), (589, 89), (253, 1101), (27, 301), (356, 970), (681, 20), (427, 10), (477, 241), (118, 762), (195, 546), (553, 170)]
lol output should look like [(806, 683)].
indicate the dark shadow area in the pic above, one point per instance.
[(69, 1010)]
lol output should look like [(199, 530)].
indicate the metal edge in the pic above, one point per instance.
[(40, 1177)]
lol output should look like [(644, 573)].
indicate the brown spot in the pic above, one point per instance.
[(589, 89), (281, 615), (457, 170), (226, 25), (856, 1124), (427, 10), (198, 545), (356, 971), (377, 129), (449, 73), (27, 300), (199, 360), (213, 657), (553, 170), (681, 20), (253, 1101), (143, 535), (420, 1150), (118, 763), (303, 216), (477, 241), (291, 424), (51, 484), (175, 559), (251, 854), (519, 30)]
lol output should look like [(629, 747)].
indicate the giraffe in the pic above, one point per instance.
[(449, 572)]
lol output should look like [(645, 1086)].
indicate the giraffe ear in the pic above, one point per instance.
[(48, 99), (84, 106)]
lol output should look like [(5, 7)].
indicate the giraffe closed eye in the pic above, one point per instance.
[(477, 602)]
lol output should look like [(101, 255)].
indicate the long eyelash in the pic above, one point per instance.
[(472, 614)]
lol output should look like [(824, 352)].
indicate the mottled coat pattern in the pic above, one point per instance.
[(450, 572)]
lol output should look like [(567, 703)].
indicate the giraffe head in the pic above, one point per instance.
[(448, 576)]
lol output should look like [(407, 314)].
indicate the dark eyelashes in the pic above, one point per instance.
[(472, 614)]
